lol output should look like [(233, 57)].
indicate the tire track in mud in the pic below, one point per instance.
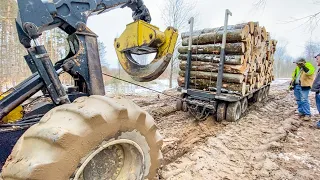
[(249, 149)]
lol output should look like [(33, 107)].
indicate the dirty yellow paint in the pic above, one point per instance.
[(14, 115), (142, 34)]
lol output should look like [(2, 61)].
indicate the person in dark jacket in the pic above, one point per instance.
[(302, 79), (316, 88)]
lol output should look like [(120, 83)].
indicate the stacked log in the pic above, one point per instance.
[(249, 58)]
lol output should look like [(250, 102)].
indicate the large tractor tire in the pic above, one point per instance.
[(93, 138)]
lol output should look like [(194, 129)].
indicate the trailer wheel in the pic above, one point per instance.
[(265, 93), (184, 107), (179, 105), (221, 111), (244, 105), (233, 111), (268, 90), (257, 96)]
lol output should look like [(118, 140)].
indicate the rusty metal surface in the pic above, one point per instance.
[(94, 65), (105, 165)]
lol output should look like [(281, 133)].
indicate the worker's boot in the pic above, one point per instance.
[(306, 118)]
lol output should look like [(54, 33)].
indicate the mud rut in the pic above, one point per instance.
[(270, 142)]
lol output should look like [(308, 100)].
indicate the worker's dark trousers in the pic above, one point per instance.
[(318, 107), (302, 99), (318, 101)]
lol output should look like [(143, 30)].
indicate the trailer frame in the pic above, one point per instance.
[(221, 103)]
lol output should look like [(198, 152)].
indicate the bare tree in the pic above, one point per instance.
[(13, 68), (310, 21), (103, 53), (283, 62), (311, 49), (176, 13)]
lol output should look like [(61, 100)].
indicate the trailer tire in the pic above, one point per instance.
[(268, 90), (179, 105), (265, 93), (184, 107), (97, 137), (257, 96), (244, 105), (221, 111), (233, 111)]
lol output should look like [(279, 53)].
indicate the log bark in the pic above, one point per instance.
[(213, 67), (251, 27), (231, 49), (233, 36), (250, 78), (260, 68), (247, 88), (248, 43), (230, 59), (264, 34), (257, 35), (227, 77), (252, 87), (205, 84), (268, 36), (245, 27)]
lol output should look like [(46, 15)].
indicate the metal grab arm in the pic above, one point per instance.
[(36, 16)]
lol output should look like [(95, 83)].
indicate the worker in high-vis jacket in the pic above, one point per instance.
[(302, 80), (316, 88)]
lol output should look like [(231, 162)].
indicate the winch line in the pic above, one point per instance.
[(141, 86)]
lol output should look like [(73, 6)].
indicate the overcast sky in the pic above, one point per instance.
[(211, 14)]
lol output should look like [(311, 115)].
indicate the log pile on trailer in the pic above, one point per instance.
[(248, 63)]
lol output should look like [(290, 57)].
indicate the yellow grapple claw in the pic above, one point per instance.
[(143, 38)]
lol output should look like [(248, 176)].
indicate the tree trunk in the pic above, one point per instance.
[(244, 27), (233, 36), (205, 84), (231, 49), (230, 78), (213, 67), (230, 59)]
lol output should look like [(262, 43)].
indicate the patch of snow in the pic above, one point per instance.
[(280, 81)]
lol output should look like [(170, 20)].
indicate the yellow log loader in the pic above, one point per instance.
[(80, 133)]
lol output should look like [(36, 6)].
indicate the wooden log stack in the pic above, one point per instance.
[(249, 58)]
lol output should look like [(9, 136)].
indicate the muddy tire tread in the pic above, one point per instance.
[(57, 137)]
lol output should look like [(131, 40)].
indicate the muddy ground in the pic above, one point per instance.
[(270, 142)]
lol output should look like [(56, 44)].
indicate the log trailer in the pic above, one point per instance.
[(78, 132), (223, 104)]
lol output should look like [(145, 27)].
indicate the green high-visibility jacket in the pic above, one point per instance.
[(306, 79)]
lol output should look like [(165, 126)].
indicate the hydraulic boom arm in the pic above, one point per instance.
[(36, 16), (83, 62)]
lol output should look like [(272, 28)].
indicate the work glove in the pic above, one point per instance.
[(301, 64), (291, 87)]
